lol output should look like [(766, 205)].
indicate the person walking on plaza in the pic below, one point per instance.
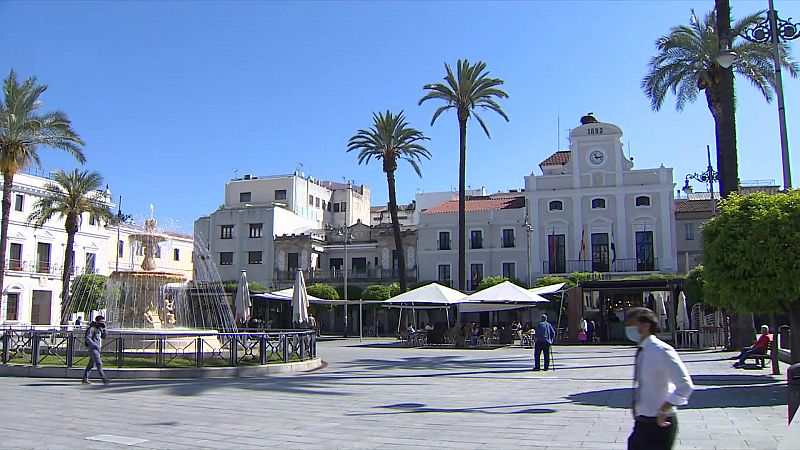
[(94, 342), (660, 383), (759, 348), (583, 330), (545, 334)]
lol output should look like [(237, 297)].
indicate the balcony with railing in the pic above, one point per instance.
[(616, 266), (18, 266), (355, 275)]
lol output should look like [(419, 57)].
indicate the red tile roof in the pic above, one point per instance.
[(558, 158), (475, 204), (692, 206)]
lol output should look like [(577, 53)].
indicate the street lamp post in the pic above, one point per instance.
[(528, 230), (345, 233), (773, 30), (709, 176)]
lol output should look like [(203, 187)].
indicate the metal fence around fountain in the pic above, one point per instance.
[(65, 348)]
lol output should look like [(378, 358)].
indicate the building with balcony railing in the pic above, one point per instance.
[(320, 254), (34, 256), (589, 211)]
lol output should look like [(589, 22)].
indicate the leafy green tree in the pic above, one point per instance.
[(24, 128), (468, 89), (391, 139), (694, 286), (751, 252), (354, 292), (686, 65), (88, 293), (68, 196), (324, 291), (490, 281), (377, 292), (252, 286)]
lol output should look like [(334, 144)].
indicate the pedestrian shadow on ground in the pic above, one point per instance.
[(419, 408), (726, 391)]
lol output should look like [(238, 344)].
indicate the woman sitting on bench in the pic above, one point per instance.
[(759, 348)]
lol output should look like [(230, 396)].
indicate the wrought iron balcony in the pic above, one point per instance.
[(587, 265)]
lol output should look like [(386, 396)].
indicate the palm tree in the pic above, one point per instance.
[(468, 90), (23, 129), (685, 66), (391, 139), (68, 196)]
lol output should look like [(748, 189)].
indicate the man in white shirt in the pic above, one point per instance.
[(661, 382)]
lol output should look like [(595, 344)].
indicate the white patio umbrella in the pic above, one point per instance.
[(432, 295), (684, 321), (505, 292), (661, 311), (242, 303), (299, 299)]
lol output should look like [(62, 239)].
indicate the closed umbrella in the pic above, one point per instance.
[(299, 300), (661, 312), (242, 304), (684, 321)]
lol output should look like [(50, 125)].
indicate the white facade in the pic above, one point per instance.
[(34, 257), (496, 241), (241, 234), (591, 195), (325, 202), (589, 211)]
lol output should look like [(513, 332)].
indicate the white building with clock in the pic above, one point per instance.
[(589, 211), (595, 213)]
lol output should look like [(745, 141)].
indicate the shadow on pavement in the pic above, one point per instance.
[(419, 408), (728, 391)]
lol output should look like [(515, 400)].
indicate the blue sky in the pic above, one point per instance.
[(173, 98)]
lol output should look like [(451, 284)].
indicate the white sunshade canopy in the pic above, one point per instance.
[(501, 297), (505, 292), (549, 289), (430, 294)]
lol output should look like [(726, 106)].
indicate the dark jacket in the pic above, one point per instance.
[(94, 336), (545, 332)]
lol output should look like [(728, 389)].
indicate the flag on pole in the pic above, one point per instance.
[(613, 247)]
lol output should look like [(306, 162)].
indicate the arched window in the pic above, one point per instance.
[(556, 205), (599, 203), (642, 200)]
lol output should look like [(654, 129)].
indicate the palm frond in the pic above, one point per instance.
[(390, 138)]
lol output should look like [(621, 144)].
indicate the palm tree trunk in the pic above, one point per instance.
[(8, 182), (727, 163), (462, 205), (66, 300), (398, 239), (742, 326)]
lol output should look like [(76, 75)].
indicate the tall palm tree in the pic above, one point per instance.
[(686, 66), (466, 91), (391, 139), (23, 129), (68, 196)]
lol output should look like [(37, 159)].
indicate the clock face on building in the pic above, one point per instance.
[(597, 157)]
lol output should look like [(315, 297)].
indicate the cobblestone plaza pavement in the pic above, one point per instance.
[(370, 396)]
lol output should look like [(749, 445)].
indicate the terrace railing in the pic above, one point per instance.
[(65, 348)]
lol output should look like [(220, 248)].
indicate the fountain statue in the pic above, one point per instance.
[(150, 300)]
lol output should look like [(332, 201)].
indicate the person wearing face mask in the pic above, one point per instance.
[(661, 382)]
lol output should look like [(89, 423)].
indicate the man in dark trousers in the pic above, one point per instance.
[(661, 382), (545, 334), (94, 342)]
